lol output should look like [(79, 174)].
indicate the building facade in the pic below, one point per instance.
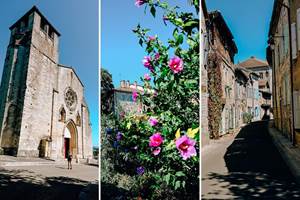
[(204, 89), (221, 44), (283, 54), (42, 107), (263, 92), (123, 99)]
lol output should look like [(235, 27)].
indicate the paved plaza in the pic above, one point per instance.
[(49, 181)]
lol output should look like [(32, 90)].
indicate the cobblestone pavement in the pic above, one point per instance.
[(246, 166), (49, 182)]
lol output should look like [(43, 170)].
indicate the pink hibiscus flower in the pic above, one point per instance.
[(176, 64), (139, 3), (156, 57), (147, 77), (134, 96), (156, 140), (156, 151), (186, 147), (147, 63), (153, 121)]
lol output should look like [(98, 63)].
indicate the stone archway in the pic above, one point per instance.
[(70, 139)]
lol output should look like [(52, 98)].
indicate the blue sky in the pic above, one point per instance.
[(249, 22), (121, 54), (78, 23)]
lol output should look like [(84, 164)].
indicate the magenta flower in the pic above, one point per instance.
[(153, 121), (186, 147), (151, 38), (156, 151), (156, 140), (157, 56), (139, 3), (134, 96), (176, 64), (147, 63), (147, 77), (155, 93)]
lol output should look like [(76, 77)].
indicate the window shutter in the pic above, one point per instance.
[(294, 41), (296, 96), (286, 38), (298, 27)]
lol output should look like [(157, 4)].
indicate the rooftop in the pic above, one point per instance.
[(253, 62), (34, 9)]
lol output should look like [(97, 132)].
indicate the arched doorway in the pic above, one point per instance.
[(70, 139)]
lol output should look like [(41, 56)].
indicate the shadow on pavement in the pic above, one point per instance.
[(255, 167), (23, 184), (111, 191)]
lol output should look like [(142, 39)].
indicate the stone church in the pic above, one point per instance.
[(43, 112)]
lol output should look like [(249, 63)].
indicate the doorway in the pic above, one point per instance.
[(67, 147), (70, 139)]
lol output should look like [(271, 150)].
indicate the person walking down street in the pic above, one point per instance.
[(69, 157)]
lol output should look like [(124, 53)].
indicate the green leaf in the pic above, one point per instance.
[(179, 173), (179, 39), (177, 185), (167, 178), (153, 11), (192, 24), (141, 42), (164, 5)]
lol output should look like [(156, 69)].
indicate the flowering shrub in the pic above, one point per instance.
[(161, 146)]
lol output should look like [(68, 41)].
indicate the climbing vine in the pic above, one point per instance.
[(215, 95)]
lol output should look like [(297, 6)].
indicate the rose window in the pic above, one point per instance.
[(71, 99)]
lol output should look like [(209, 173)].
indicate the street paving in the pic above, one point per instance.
[(246, 166), (49, 182)]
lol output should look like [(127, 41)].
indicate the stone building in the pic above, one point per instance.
[(264, 93), (283, 55), (204, 89), (222, 44), (123, 100), (246, 95), (42, 107)]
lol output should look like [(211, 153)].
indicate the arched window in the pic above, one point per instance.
[(78, 120), (62, 115)]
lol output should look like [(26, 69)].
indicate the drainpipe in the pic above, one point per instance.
[(52, 110), (51, 126), (82, 106), (291, 72), (274, 82)]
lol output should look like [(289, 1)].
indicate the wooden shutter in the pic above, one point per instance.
[(296, 95), (298, 27), (286, 38), (294, 41)]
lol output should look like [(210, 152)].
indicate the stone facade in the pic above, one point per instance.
[(283, 55), (222, 44), (204, 89), (123, 101), (280, 62), (264, 89), (42, 109)]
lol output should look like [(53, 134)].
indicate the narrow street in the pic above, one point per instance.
[(246, 166)]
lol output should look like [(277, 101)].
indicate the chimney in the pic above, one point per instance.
[(127, 84), (135, 84), (122, 84)]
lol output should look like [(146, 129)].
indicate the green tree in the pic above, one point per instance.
[(107, 92)]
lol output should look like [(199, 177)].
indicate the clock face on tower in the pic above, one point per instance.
[(70, 99)]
